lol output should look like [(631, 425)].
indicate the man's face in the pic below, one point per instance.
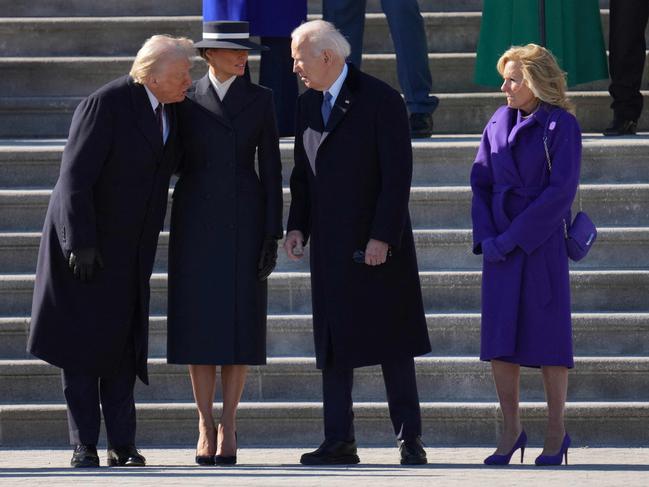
[(313, 70), (170, 80)]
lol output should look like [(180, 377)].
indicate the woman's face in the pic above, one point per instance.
[(519, 95), (226, 63)]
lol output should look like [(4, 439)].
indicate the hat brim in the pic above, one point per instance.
[(242, 44)]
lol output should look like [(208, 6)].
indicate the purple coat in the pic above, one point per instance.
[(518, 209)]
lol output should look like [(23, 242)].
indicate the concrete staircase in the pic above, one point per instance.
[(49, 62)]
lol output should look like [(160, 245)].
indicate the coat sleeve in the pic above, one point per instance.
[(395, 160), (545, 214), (481, 187), (299, 217), (270, 171), (84, 156)]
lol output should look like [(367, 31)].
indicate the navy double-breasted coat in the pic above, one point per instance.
[(222, 211), (350, 183), (111, 194)]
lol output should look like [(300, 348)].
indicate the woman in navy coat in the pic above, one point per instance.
[(518, 210), (226, 219)]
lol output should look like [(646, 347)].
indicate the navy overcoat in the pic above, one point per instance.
[(222, 211), (111, 194), (526, 298), (350, 183)]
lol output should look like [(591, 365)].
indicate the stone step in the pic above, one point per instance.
[(94, 36), (458, 113), (617, 248), (79, 76), (454, 334), (297, 379), (71, 8), (440, 160), (443, 292), (300, 423), (430, 207)]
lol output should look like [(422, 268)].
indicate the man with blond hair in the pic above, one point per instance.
[(90, 308), (349, 196)]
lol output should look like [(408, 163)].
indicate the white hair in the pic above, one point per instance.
[(160, 48), (323, 35)]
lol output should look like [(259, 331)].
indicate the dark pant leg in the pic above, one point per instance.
[(410, 44), (118, 403), (628, 20), (276, 73), (82, 397), (403, 400), (349, 18), (337, 403)]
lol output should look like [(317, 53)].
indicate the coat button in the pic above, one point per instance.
[(231, 227)]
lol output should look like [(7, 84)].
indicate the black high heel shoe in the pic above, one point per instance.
[(204, 460), (227, 460)]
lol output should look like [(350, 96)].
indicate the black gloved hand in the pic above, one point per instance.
[(82, 263), (267, 259)]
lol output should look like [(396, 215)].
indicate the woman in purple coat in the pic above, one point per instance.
[(518, 211)]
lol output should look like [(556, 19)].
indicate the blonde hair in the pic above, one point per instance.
[(323, 35), (159, 48), (541, 72)]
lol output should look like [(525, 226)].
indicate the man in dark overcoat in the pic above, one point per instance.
[(90, 309), (350, 188)]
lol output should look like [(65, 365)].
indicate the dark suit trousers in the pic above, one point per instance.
[(403, 400), (628, 20), (276, 73), (84, 393), (409, 36)]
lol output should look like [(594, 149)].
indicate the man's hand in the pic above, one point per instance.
[(267, 259), (82, 263), (294, 245), (376, 252)]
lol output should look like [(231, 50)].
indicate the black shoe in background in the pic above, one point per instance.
[(332, 452), (412, 452), (85, 456), (421, 125), (621, 127), (125, 456)]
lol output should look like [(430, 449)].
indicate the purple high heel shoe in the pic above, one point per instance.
[(547, 460), (521, 442)]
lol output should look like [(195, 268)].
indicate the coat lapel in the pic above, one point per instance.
[(144, 116), (315, 134), (239, 96), (205, 95)]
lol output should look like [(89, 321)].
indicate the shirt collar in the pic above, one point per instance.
[(337, 85), (154, 101), (221, 87)]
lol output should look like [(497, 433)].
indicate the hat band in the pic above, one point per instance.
[(221, 35)]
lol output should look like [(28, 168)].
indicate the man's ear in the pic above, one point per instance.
[(326, 54)]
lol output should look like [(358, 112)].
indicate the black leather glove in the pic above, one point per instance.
[(268, 258), (82, 263)]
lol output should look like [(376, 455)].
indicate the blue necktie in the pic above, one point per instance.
[(326, 107)]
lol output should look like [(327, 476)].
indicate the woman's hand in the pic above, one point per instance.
[(491, 251)]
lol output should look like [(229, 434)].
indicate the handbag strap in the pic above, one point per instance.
[(549, 161)]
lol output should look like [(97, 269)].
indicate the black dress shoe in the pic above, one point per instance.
[(125, 456), (412, 452), (85, 456), (332, 452), (421, 125), (621, 127)]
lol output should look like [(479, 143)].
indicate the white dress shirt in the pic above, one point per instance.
[(334, 89), (221, 88)]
